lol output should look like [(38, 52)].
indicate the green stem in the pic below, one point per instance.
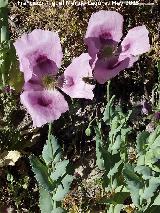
[(111, 183), (49, 136), (4, 37), (91, 121), (108, 91), (49, 130), (54, 205), (4, 24), (3, 79), (53, 201), (108, 96)]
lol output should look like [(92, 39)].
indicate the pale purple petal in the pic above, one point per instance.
[(134, 44), (44, 106), (73, 83), (132, 59), (39, 51), (136, 41), (103, 72), (25, 68), (105, 23), (34, 84)]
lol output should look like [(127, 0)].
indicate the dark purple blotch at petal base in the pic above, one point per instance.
[(44, 101), (44, 66)]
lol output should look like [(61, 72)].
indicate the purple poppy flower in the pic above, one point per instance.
[(40, 97), (109, 57), (73, 83), (44, 106), (39, 53)]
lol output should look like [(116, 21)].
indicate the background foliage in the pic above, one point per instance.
[(18, 186)]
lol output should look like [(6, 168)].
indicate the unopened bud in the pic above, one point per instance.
[(88, 131)]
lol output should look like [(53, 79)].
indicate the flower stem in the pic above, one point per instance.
[(49, 130), (92, 121), (4, 24), (4, 37), (108, 91), (49, 137)]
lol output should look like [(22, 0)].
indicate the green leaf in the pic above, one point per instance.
[(117, 208), (134, 183), (153, 136), (157, 154), (116, 145), (58, 210), (60, 170), (45, 201), (53, 177), (134, 188), (117, 198), (157, 201), (114, 132), (110, 160), (141, 160), (128, 116), (41, 173), (142, 142), (156, 143), (51, 151), (115, 123), (108, 112), (63, 188), (153, 209), (144, 171), (129, 173), (149, 191), (150, 158), (120, 197), (114, 170), (124, 133)]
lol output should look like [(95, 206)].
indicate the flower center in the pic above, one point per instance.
[(49, 82), (107, 51)]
